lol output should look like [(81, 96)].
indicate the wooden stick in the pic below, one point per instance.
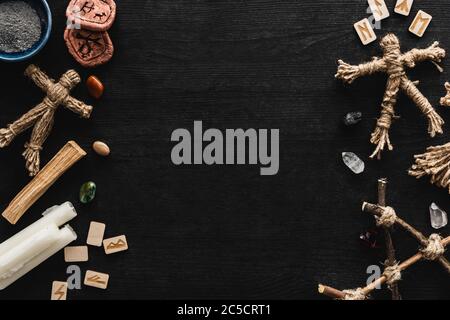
[(331, 292), (378, 211), (337, 294), (390, 249), (70, 154)]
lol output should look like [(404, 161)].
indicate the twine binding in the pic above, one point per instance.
[(387, 218), (435, 249), (355, 294)]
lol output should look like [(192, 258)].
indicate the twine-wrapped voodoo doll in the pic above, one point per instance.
[(394, 64), (41, 117), (436, 161)]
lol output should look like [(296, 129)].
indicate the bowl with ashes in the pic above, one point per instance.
[(25, 27)]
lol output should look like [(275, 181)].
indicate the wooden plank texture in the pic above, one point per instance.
[(225, 232)]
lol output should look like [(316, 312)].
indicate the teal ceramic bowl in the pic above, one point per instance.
[(43, 10)]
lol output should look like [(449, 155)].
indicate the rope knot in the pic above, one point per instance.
[(387, 218), (33, 147), (11, 130), (393, 274), (434, 249), (355, 294)]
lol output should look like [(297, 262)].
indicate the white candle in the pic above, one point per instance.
[(35, 244)]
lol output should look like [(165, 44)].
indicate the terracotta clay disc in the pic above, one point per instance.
[(89, 48), (95, 15)]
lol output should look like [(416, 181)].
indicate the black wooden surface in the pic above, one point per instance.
[(224, 231)]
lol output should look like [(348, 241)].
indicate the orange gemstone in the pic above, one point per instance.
[(95, 87)]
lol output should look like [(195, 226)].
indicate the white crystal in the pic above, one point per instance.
[(353, 162), (438, 217)]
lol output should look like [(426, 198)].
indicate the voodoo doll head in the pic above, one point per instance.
[(394, 63)]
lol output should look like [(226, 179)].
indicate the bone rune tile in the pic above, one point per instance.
[(76, 254), (403, 7), (59, 290), (365, 31), (379, 9), (420, 23), (116, 244), (96, 279), (95, 235)]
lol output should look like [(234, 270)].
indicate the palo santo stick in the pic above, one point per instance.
[(70, 154)]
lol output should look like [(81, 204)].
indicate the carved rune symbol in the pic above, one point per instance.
[(379, 6), (87, 7), (86, 43), (60, 292), (114, 245), (403, 6), (96, 279)]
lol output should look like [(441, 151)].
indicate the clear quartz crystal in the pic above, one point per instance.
[(438, 217), (353, 162)]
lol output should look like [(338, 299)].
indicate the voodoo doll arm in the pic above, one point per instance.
[(349, 73), (433, 53)]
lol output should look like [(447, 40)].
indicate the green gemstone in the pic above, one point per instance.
[(87, 192)]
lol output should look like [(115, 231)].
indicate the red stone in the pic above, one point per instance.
[(95, 15), (89, 48)]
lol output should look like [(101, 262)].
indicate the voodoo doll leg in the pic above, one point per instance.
[(25, 122), (380, 137), (33, 148)]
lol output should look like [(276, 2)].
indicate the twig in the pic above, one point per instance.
[(390, 249), (378, 211), (337, 294)]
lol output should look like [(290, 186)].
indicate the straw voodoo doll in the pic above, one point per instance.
[(41, 117), (436, 161), (394, 64)]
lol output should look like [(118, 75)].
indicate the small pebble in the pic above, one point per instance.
[(87, 192), (352, 118), (95, 87), (101, 148)]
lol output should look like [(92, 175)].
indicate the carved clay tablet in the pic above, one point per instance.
[(89, 48), (95, 15)]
